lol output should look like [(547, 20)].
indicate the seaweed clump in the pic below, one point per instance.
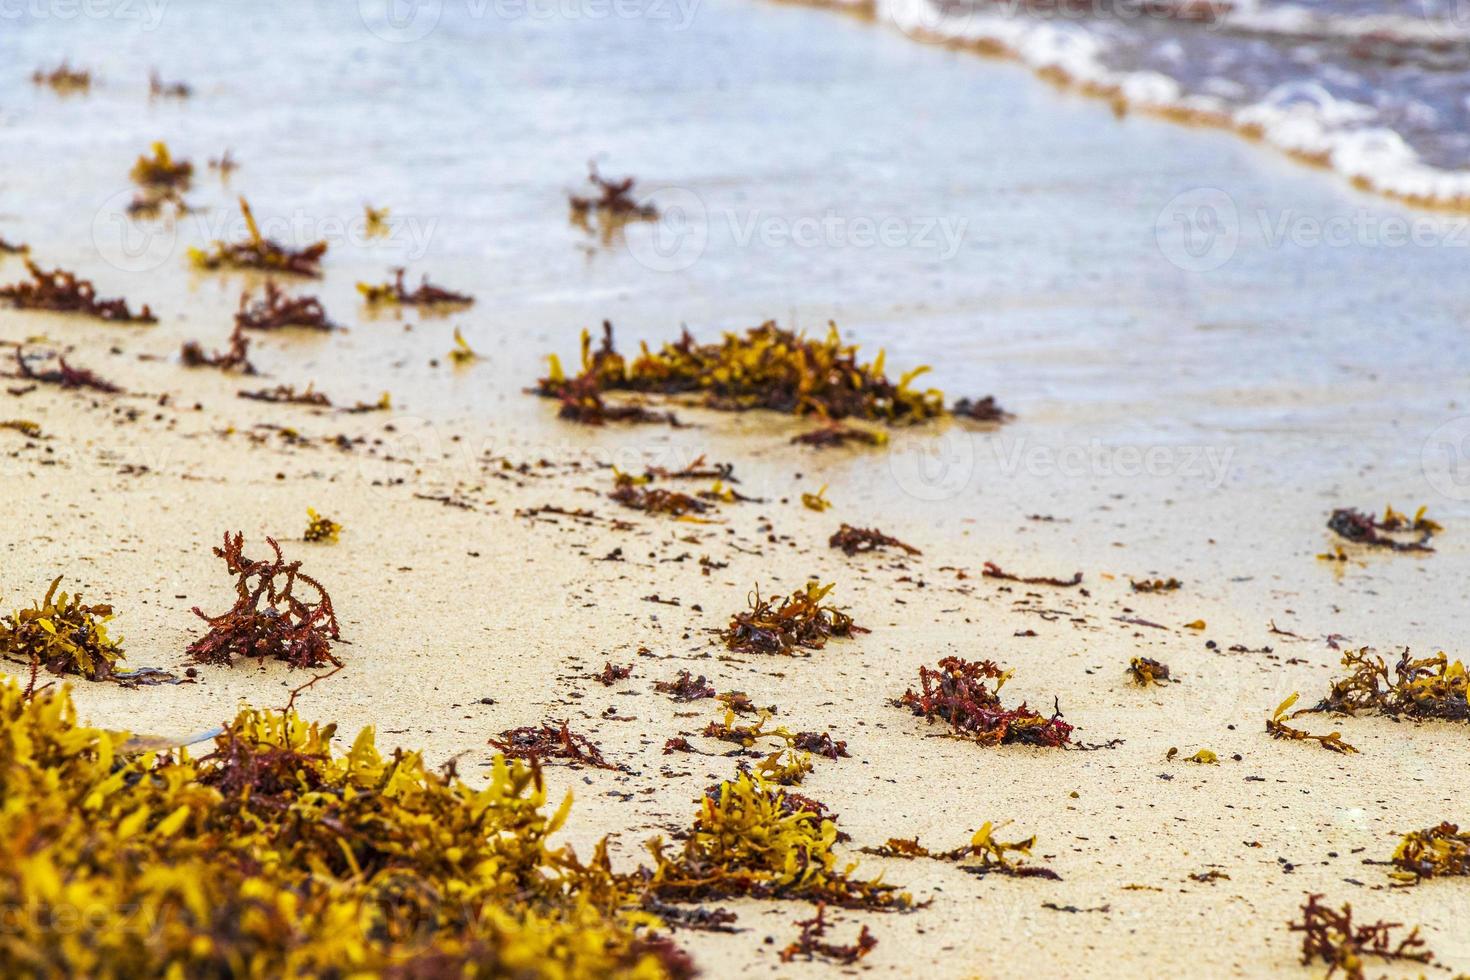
[(684, 687), (1330, 936), (800, 621), (634, 493), (551, 740), (991, 853), (613, 206), (259, 252), (838, 434), (757, 840), (281, 852), (959, 692), (319, 528), (810, 944), (767, 367), (853, 540), (1146, 671), (1425, 688), (60, 291), (63, 78), (63, 375), (1435, 852), (268, 619), (275, 310), (1361, 528), (236, 358), (396, 294), (64, 635)]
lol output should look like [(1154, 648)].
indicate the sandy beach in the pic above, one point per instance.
[(1171, 420)]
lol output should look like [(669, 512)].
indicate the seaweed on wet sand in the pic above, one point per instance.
[(8, 247), (817, 501), (1387, 532), (993, 854), (159, 89), (283, 848), (275, 310), (960, 692), (1155, 585), (59, 291), (854, 540), (1434, 852), (63, 374), (162, 170), (838, 434), (375, 221), (801, 620), (237, 358), (612, 673), (62, 634), (1330, 936), (259, 252), (63, 78), (288, 395), (1424, 688), (981, 409), (26, 427), (551, 740), (767, 367), (811, 945), (268, 618), (684, 687), (1277, 727), (819, 743), (632, 492), (320, 529), (1145, 671), (462, 353), (992, 570), (614, 200), (396, 294), (754, 839)]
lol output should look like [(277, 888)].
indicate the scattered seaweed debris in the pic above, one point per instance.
[(1364, 529), (1146, 671), (159, 89), (162, 170), (677, 744), (632, 492), (800, 621), (259, 252), (817, 501), (838, 434), (614, 205), (1429, 687), (1330, 936), (1278, 728), (237, 358), (819, 743), (288, 395), (740, 703), (394, 293), (267, 619), (282, 850), (767, 367), (64, 374), (27, 428), (785, 767), (462, 353), (1435, 852), (60, 291), (552, 740), (320, 529), (753, 839), (992, 570), (581, 402), (992, 854), (981, 410), (853, 540), (684, 688), (275, 310), (13, 248), (64, 635), (63, 78), (1155, 585), (612, 673), (375, 221), (224, 164), (957, 691), (811, 946)]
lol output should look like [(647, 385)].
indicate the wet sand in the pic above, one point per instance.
[(1171, 423)]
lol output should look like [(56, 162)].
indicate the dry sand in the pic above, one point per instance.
[(465, 621)]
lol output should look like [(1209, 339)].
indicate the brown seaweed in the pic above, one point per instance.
[(288, 395), (275, 310), (992, 854), (259, 252), (854, 540), (1436, 852), (810, 945), (1425, 688), (395, 293), (800, 621), (63, 78), (268, 619), (1331, 937), (320, 529), (959, 692), (1364, 529), (684, 688), (63, 635), (1277, 727), (159, 89), (161, 170), (551, 740), (60, 291), (1146, 671), (981, 409), (64, 374), (992, 570), (237, 358), (614, 201), (838, 434)]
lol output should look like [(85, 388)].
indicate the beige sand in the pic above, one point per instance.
[(447, 606)]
